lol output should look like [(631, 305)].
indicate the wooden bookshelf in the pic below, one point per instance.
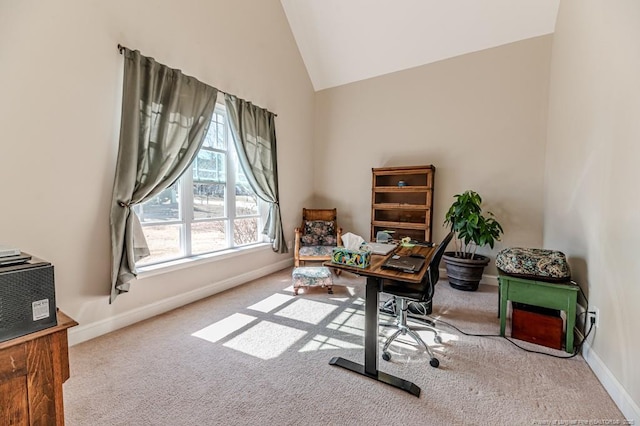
[(405, 209)]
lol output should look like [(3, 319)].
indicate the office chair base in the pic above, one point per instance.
[(394, 381), (402, 330), (399, 305), (389, 308), (434, 362)]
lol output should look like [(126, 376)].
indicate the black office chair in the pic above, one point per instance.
[(417, 298)]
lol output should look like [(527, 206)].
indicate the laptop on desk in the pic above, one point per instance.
[(408, 264)]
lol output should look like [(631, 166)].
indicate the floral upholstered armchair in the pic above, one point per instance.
[(317, 236)]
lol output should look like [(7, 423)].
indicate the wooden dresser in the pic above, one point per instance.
[(32, 371)]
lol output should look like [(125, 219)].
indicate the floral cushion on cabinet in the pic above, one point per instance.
[(319, 233), (544, 265)]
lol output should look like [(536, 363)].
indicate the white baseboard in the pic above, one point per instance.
[(490, 280), (89, 331), (486, 278), (623, 400)]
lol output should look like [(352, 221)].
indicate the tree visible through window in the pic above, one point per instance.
[(210, 208)]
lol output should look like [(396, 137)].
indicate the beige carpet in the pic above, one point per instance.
[(257, 355)]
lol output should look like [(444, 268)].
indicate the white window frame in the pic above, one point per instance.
[(186, 205)]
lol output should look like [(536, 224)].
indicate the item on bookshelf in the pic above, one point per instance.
[(473, 229), (383, 237), (402, 183)]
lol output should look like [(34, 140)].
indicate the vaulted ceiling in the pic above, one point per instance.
[(342, 41)]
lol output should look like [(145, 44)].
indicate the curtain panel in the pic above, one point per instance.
[(254, 134), (165, 118)]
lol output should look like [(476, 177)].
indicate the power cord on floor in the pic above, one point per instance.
[(575, 352), (417, 307)]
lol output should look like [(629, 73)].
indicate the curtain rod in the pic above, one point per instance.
[(121, 50)]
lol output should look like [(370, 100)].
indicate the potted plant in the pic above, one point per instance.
[(473, 230)]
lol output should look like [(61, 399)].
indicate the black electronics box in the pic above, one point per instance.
[(27, 298)]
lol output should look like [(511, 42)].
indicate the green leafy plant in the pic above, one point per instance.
[(472, 228)]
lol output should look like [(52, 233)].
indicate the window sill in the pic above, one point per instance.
[(188, 262)]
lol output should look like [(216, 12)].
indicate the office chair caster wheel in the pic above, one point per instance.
[(434, 362), (387, 356), (437, 339)]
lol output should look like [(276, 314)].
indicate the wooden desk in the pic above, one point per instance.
[(375, 274), (32, 370)]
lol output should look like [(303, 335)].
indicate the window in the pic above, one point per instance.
[(210, 208)]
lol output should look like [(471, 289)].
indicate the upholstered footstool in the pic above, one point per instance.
[(309, 276)]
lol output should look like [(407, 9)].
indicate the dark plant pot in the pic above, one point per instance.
[(464, 274)]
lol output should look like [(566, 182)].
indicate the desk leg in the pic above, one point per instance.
[(371, 327), (370, 368)]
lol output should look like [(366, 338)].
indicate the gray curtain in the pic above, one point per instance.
[(254, 134), (165, 117)]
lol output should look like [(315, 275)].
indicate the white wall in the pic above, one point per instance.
[(60, 91), (480, 119), (591, 192)]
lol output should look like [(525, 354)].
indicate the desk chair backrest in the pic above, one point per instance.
[(421, 292), (433, 273)]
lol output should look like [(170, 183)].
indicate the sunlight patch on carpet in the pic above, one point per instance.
[(350, 321), (428, 335), (307, 311), (320, 342), (266, 340), (350, 290), (271, 302), (223, 328)]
